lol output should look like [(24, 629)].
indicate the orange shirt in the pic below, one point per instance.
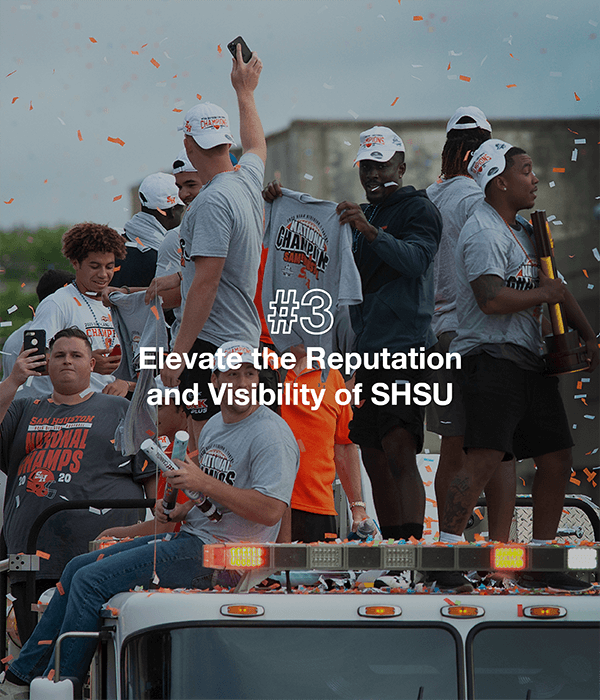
[(317, 432), (264, 329)]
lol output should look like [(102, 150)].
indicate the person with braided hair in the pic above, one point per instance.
[(456, 195)]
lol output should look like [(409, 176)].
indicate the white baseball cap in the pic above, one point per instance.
[(488, 161), (208, 124), (159, 191), (231, 354), (378, 143), (478, 117), (182, 164)]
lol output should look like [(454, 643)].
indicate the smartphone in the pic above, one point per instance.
[(35, 339), (246, 53), (116, 351)]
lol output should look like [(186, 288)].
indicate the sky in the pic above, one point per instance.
[(92, 92)]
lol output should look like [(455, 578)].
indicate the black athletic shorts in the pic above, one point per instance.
[(516, 411)]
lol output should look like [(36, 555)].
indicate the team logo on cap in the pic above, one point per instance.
[(376, 154), (500, 146), (477, 166), (371, 140), (213, 122), (493, 171), (171, 199), (187, 126)]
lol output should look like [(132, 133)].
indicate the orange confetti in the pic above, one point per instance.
[(77, 301), (448, 67), (434, 503), (585, 272), (577, 98), (44, 641), (59, 588), (6, 659), (394, 102), (573, 132), (143, 46), (590, 475), (150, 432), (135, 53), (118, 267), (478, 513), (22, 285), (479, 538), (14, 99), (93, 40), (119, 141), (417, 18), (510, 54), (46, 182), (575, 481), (10, 201), (523, 480), (145, 464), (558, 170), (465, 78), (42, 555), (219, 49), (174, 76), (116, 199), (51, 674), (11, 73), (580, 385), (198, 96), (160, 211), (512, 85), (178, 110), (79, 136), (155, 63), (30, 105), (155, 311)]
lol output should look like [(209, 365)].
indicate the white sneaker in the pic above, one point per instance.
[(10, 691)]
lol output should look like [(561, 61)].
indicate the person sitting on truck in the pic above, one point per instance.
[(59, 447), (247, 463), (512, 407)]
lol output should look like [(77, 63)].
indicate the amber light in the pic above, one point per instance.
[(379, 611), (509, 558), (246, 557), (462, 611), (242, 610), (544, 611)]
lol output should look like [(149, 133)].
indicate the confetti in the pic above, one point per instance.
[(198, 96), (11, 73), (558, 170), (119, 141), (585, 272), (5, 324), (178, 110), (59, 588), (155, 63), (552, 184), (417, 18), (483, 60), (448, 66), (465, 78), (579, 141), (42, 555), (31, 105), (307, 176), (155, 312), (353, 114), (551, 16), (219, 49), (574, 154), (596, 253), (135, 53), (6, 659), (93, 40), (79, 136), (44, 641), (12, 309), (589, 417), (577, 98), (512, 85), (394, 102), (14, 99), (10, 201), (51, 673), (61, 121)]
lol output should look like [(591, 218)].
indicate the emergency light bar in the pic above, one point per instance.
[(343, 557)]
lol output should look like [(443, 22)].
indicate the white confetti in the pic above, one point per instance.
[(307, 176), (556, 75), (327, 87), (557, 223), (106, 510), (427, 451), (162, 84), (589, 417), (382, 17), (64, 498), (574, 154), (590, 286), (483, 59), (167, 55), (453, 77), (594, 452), (551, 217), (353, 114), (580, 396), (28, 381), (161, 41), (347, 143), (179, 104), (552, 184), (574, 427), (585, 380), (453, 53), (8, 354), (5, 324), (416, 65), (594, 24), (551, 16), (596, 253), (508, 39), (155, 579), (61, 121), (124, 463), (12, 309), (415, 77), (17, 500), (579, 141), (110, 178), (95, 511)]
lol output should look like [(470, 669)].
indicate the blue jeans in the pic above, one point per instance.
[(89, 581)]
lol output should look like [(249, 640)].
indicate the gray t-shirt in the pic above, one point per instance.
[(168, 263), (260, 453), (225, 221), (53, 453), (308, 251), (488, 246), (456, 199)]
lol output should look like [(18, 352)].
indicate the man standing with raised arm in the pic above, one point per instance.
[(221, 235)]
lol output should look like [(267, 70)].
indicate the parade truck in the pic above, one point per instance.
[(325, 621)]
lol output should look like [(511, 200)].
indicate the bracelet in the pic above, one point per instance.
[(358, 504), (126, 288)]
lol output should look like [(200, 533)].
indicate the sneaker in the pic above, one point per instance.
[(11, 691), (557, 580), (449, 581)]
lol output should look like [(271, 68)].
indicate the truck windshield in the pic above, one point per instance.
[(285, 662), (550, 660)]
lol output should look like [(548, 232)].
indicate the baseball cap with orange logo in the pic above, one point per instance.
[(159, 191), (488, 161), (378, 143), (208, 125)]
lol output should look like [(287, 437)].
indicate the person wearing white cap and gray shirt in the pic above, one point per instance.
[(221, 235), (512, 407), (145, 231), (246, 465), (396, 236)]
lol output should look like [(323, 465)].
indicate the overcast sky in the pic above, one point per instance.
[(75, 74)]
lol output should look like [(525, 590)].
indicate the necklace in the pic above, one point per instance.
[(83, 296), (356, 235), (510, 228)]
